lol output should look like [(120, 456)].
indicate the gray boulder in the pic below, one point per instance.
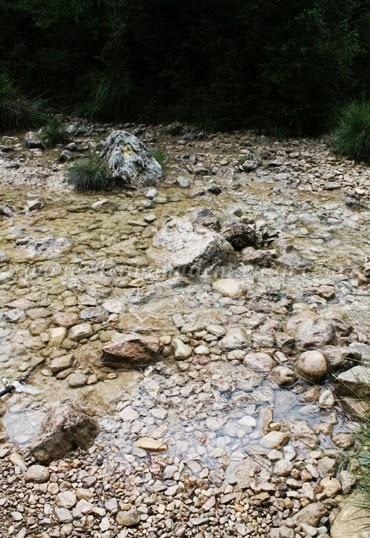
[(188, 247), (129, 160)]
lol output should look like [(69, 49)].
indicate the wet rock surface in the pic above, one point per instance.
[(224, 413)]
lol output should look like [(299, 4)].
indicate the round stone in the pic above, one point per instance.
[(312, 366)]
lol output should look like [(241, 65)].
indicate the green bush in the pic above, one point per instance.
[(89, 174), (54, 132), (160, 155), (352, 135), (16, 112)]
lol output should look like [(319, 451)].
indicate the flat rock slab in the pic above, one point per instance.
[(355, 382), (353, 521), (152, 445)]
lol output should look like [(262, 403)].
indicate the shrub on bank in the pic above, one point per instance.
[(54, 132), (89, 174), (16, 112), (352, 135)]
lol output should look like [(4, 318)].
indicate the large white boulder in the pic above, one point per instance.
[(130, 160)]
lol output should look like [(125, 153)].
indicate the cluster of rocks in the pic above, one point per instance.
[(218, 356)]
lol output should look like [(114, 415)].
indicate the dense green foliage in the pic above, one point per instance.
[(54, 132), (89, 174), (352, 135), (226, 63), (16, 112)]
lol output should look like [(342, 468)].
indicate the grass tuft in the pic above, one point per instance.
[(110, 97), (16, 112), (352, 135), (160, 155), (54, 132), (89, 174)]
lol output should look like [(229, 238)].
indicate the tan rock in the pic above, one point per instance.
[(275, 439), (152, 445), (56, 336), (352, 521), (230, 287)]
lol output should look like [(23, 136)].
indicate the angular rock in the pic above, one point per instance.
[(33, 140), (45, 247), (66, 499), (65, 428), (132, 350), (128, 518), (355, 382), (274, 439), (311, 514), (189, 248), (152, 445), (235, 338), (129, 160), (241, 235), (353, 520), (181, 350), (56, 336), (315, 332)]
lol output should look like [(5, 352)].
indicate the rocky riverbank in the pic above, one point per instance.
[(216, 326)]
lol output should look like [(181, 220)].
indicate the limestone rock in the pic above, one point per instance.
[(355, 382), (128, 518), (65, 319), (312, 366), (311, 514), (235, 338), (33, 140), (152, 445), (61, 363), (315, 332), (132, 350), (259, 361), (181, 350), (188, 247), (80, 331), (37, 473), (352, 521), (275, 439), (65, 428), (230, 287), (129, 159)]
